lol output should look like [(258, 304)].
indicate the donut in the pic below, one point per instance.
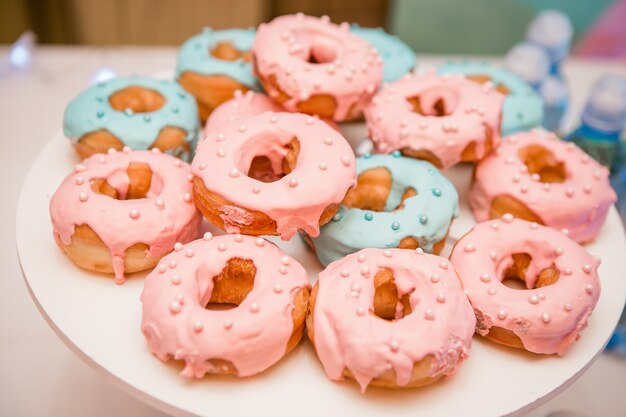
[(312, 66), (138, 112), (183, 300), (121, 212), (390, 318), (442, 119), (272, 174), (560, 279), (523, 107), (398, 202), (212, 65), (537, 177), (241, 106), (398, 57)]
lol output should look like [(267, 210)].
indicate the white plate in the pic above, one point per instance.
[(99, 321)]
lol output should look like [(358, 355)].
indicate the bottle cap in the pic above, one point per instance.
[(606, 107), (530, 62)]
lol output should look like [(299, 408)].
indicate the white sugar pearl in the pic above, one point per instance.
[(259, 241), (546, 317), (429, 315), (134, 214), (254, 308), (228, 323), (207, 236), (221, 247), (278, 288)]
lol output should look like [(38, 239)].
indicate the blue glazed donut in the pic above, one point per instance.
[(93, 111), (425, 216), (523, 107), (397, 56), (197, 65)]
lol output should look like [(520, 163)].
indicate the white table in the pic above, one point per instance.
[(38, 374)]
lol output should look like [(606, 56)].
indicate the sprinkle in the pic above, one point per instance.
[(567, 271), (534, 226), (162, 269), (394, 346), (328, 141), (198, 327), (435, 278), (126, 149), (278, 288), (344, 273), (507, 218), (587, 268), (419, 251), (387, 253), (282, 269), (178, 246), (568, 307), (517, 177), (234, 173), (443, 265), (429, 315), (221, 137), (368, 216), (202, 166), (345, 161), (494, 226), (173, 264), (361, 258), (587, 189), (189, 253), (365, 270), (469, 248), (221, 247), (254, 308), (134, 214), (256, 189), (360, 311), (546, 317), (533, 299), (175, 280), (493, 255), (395, 225), (501, 314), (207, 236), (80, 180), (259, 242), (524, 189), (228, 323), (242, 128), (355, 287), (441, 298), (485, 278), (175, 307), (491, 291), (102, 160), (187, 198), (238, 238), (423, 219), (221, 153), (323, 166), (436, 192), (83, 197), (569, 192), (273, 119), (293, 182), (589, 289)]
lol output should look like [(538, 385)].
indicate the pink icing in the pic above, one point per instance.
[(473, 109), (253, 336), (348, 335), (325, 170), (239, 107), (579, 204), (547, 319), (165, 216), (349, 68)]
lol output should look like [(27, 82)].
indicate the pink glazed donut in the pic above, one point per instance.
[(538, 177), (390, 318), (310, 65), (242, 105), (561, 280), (270, 291), (272, 174), (122, 211), (444, 119)]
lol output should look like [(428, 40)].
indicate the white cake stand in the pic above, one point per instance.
[(99, 321)]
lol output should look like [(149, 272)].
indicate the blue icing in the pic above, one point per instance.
[(397, 56), (194, 55), (91, 111), (425, 216), (523, 107)]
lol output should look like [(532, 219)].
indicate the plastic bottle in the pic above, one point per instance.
[(555, 97), (552, 30)]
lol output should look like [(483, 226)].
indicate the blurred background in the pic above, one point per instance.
[(495, 25)]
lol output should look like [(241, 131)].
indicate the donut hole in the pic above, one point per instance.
[(226, 51), (542, 161), (137, 99), (516, 275), (276, 162), (389, 303), (374, 192), (232, 285), (322, 51), (140, 180), (436, 102), (484, 78)]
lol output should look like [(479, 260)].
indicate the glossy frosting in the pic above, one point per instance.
[(239, 107), (252, 336), (324, 172), (282, 49), (547, 319), (195, 55), (167, 215), (91, 111), (426, 216), (523, 107), (397, 56), (348, 334), (579, 204), (393, 124)]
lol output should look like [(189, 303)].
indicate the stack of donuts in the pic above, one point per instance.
[(388, 310)]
